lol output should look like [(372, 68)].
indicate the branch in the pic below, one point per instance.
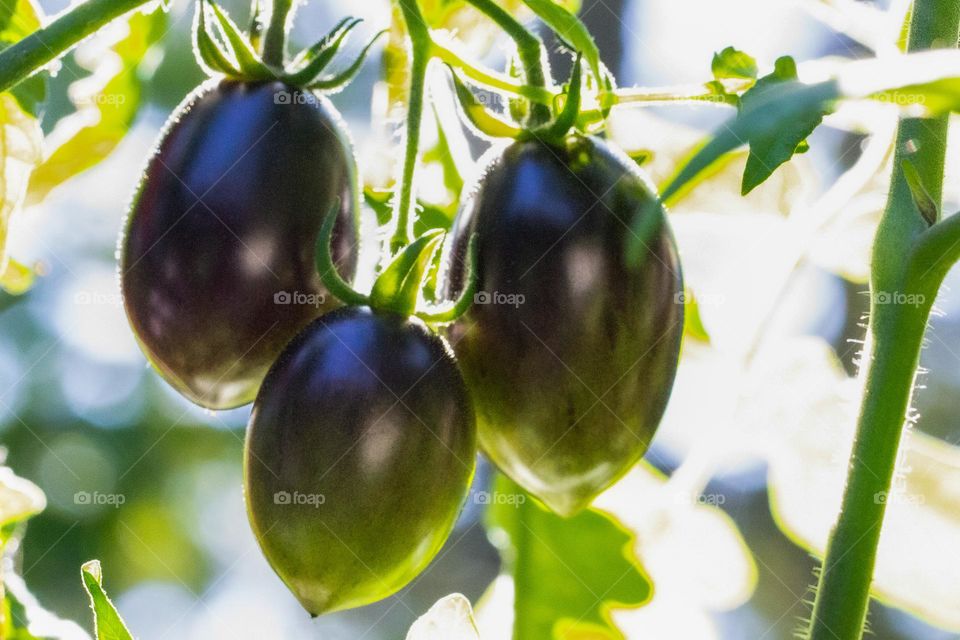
[(21, 60)]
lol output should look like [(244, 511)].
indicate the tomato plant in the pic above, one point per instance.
[(524, 351)]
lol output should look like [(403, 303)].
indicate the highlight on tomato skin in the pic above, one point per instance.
[(569, 352), (217, 255), (358, 457)]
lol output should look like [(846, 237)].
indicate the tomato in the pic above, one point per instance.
[(359, 454), (217, 258), (569, 352)]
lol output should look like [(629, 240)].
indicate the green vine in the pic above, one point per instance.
[(908, 258), (45, 45)]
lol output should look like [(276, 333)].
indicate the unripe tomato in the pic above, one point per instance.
[(569, 352), (359, 454), (217, 257)]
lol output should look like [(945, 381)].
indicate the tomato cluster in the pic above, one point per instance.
[(368, 414)]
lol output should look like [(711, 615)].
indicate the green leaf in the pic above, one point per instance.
[(20, 151), (733, 63), (484, 121), (398, 287), (211, 55), (105, 112), (770, 150), (250, 63), (930, 80), (18, 19), (693, 323), (569, 573), (311, 62), (108, 625)]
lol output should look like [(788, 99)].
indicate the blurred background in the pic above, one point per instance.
[(81, 413)]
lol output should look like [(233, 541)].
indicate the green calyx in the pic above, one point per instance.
[(398, 287), (565, 112), (222, 48)]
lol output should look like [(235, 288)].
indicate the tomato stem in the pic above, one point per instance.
[(275, 39), (491, 79), (908, 259), (529, 48), (422, 45), (59, 36)]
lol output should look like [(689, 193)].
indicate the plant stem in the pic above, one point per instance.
[(48, 43), (492, 79), (530, 50), (422, 46), (275, 39), (902, 265)]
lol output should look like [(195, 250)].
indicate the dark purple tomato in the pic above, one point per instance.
[(569, 352), (217, 257), (359, 454)]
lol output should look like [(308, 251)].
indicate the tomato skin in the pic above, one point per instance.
[(224, 220), (571, 357), (369, 411)]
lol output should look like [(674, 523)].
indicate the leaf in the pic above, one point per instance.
[(732, 63), (108, 625), (925, 83), (250, 63), (484, 122), (18, 19), (691, 548), (451, 618), (563, 590), (107, 103), (20, 144), (693, 324), (770, 150)]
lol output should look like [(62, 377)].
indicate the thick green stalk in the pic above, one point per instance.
[(906, 273), (275, 39), (22, 59), (422, 45), (530, 50)]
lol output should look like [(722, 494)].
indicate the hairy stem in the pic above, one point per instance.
[(530, 50), (422, 46), (275, 39), (902, 274), (21, 60)]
